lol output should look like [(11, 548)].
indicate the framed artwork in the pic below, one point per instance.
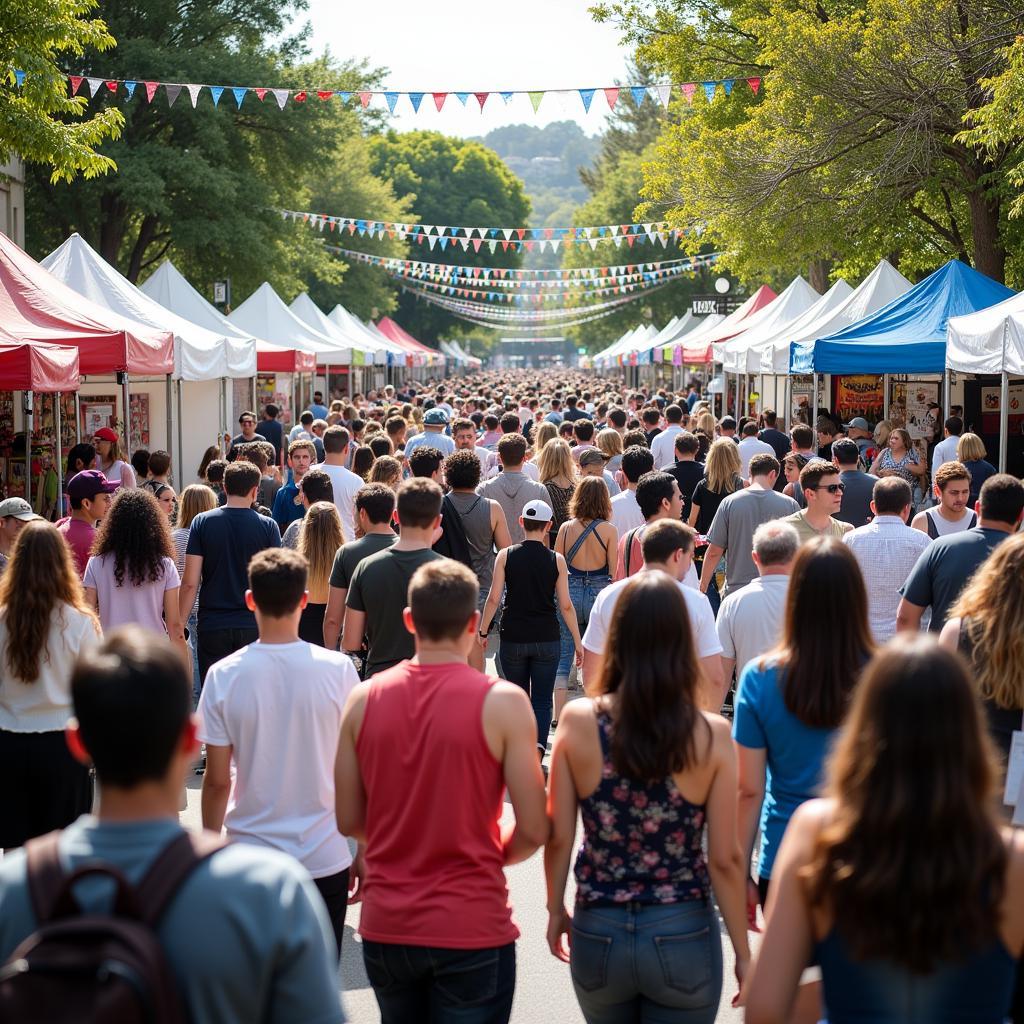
[(138, 421), (98, 411)]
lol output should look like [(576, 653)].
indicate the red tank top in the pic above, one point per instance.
[(434, 864)]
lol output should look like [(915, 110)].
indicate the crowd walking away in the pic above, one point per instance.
[(740, 696)]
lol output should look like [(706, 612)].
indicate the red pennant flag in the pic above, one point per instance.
[(390, 233), (755, 84), (689, 88), (520, 233), (504, 246), (112, 85), (529, 246), (612, 96), (76, 84), (364, 99), (351, 228), (151, 88), (260, 93), (630, 239), (439, 98), (300, 97), (481, 98), (324, 94), (305, 218), (476, 244), (334, 225), (549, 232)]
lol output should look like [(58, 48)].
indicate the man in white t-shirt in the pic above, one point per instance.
[(751, 445), (626, 514), (667, 547), (945, 450), (274, 709), (345, 483), (663, 446)]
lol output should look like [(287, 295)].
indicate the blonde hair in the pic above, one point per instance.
[(970, 448), (706, 421), (386, 470), (319, 540), (993, 605), (543, 433), (194, 499), (723, 465), (883, 428), (609, 442), (556, 460)]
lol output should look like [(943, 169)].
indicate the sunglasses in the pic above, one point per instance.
[(831, 488)]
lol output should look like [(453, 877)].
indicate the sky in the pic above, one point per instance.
[(477, 47)]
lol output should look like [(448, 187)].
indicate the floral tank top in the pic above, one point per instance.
[(642, 842)]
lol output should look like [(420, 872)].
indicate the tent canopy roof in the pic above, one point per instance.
[(265, 312), (989, 341), (697, 346)]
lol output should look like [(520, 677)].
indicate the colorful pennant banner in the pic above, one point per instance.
[(393, 101)]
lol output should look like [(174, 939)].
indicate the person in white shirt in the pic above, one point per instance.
[(887, 550), (750, 621), (749, 446), (667, 547), (662, 447), (464, 436), (945, 450), (626, 514), (344, 482), (273, 710), (951, 483)]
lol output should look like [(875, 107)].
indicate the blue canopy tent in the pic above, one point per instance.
[(906, 336)]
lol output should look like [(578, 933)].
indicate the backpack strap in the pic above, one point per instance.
[(172, 866), (44, 874), (627, 554)]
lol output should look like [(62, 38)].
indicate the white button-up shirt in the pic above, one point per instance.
[(663, 447), (886, 550)]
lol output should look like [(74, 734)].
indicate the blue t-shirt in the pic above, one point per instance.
[(227, 538), (274, 433), (285, 511), (247, 936), (795, 752), (431, 439), (319, 411)]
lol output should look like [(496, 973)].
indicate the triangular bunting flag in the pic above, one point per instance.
[(239, 93), (111, 85), (727, 85), (481, 98), (94, 85), (193, 92), (462, 97), (535, 98), (612, 96), (172, 93), (19, 78), (416, 98), (130, 86), (281, 95), (587, 95), (664, 94), (76, 84), (364, 99), (216, 91), (506, 96), (300, 96), (392, 99), (260, 93), (688, 89), (324, 94), (344, 96), (755, 84), (439, 98), (709, 90), (639, 93)]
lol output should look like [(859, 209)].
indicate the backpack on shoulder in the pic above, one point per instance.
[(98, 968), (453, 542)]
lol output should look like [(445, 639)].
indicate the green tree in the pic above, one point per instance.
[(453, 182), (36, 36), (202, 185)]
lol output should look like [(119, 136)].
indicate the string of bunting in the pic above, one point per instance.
[(127, 88), (516, 239)]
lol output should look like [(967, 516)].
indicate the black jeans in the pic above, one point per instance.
[(441, 986), (334, 890), (214, 644)]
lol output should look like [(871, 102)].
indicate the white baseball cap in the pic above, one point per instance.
[(539, 511)]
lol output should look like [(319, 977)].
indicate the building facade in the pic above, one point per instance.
[(12, 200)]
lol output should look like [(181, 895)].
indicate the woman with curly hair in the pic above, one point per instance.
[(131, 576), (319, 541), (45, 623)]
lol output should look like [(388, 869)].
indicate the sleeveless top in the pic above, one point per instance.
[(641, 841), (434, 862), (939, 527), (561, 498), (475, 513), (1002, 722), (573, 551), (900, 465), (530, 613), (977, 989)]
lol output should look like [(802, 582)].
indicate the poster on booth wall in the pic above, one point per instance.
[(138, 421), (98, 411), (911, 405), (860, 395), (802, 397), (272, 388), (990, 409)]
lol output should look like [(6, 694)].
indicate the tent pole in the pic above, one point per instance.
[(1004, 418), (885, 397), (255, 411), (57, 455), (28, 445), (946, 396), (78, 415), (223, 413), (181, 448), (175, 454), (814, 402), (126, 400)]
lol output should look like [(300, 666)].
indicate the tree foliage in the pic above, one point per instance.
[(852, 150), (36, 37)]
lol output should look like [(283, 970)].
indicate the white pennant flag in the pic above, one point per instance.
[(193, 91), (593, 242), (94, 84), (492, 244), (618, 241), (431, 240), (281, 95), (507, 232)]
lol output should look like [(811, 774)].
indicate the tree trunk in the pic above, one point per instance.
[(111, 227), (147, 229), (817, 273), (989, 251)]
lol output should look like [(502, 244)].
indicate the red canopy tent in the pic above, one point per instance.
[(36, 307), (37, 367), (400, 336)]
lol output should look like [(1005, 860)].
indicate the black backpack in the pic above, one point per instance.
[(453, 542), (82, 968)]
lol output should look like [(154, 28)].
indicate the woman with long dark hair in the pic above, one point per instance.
[(790, 703), (45, 623), (647, 769), (899, 882), (131, 576)]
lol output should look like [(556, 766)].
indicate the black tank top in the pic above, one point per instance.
[(530, 614)]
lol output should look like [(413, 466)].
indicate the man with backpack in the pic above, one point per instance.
[(180, 928)]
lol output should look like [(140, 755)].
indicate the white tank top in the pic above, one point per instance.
[(941, 527)]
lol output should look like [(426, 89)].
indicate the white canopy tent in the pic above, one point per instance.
[(380, 344), (648, 343), (628, 343), (311, 314), (616, 346), (265, 312)]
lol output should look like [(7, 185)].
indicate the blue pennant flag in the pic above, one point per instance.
[(727, 85), (506, 96), (462, 97), (392, 98), (130, 86), (416, 98), (19, 78), (443, 241), (639, 93), (709, 90), (216, 91), (239, 94), (587, 95), (344, 96)]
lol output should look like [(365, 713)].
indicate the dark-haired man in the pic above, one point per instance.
[(247, 421), (658, 497), (512, 488), (344, 483), (949, 562), (425, 461), (688, 472), (89, 492), (945, 450), (662, 447), (221, 543), (270, 428), (773, 436), (823, 490), (315, 486), (372, 608), (952, 486), (626, 514), (245, 934), (301, 456), (855, 508), (442, 742), (279, 695)]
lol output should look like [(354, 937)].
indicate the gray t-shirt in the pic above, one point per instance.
[(512, 491), (379, 587), (246, 936), (738, 516)]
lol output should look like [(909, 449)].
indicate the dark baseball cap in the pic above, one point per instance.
[(88, 484)]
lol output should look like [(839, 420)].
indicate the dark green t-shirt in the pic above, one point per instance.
[(379, 587), (351, 554)]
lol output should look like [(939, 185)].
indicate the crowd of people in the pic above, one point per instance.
[(765, 735)]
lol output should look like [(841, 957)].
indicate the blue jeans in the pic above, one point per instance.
[(583, 591), (647, 964), (533, 666), (193, 645), (441, 986)]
